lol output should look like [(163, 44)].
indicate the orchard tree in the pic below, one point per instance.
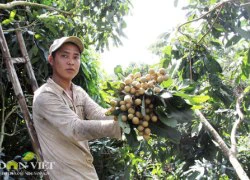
[(207, 59), (209, 55)]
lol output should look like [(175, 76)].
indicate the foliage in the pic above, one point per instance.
[(209, 56), (208, 60)]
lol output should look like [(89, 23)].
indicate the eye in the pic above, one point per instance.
[(64, 55), (76, 57)]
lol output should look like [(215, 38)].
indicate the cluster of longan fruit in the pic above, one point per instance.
[(134, 105)]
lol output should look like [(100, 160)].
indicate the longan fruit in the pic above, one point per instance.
[(159, 79), (131, 111), (138, 102), (124, 118), (135, 120), (127, 89), (147, 101), (147, 131), (132, 90), (154, 118), (146, 137), (162, 71), (157, 89), (122, 102), (137, 75), (143, 79), (128, 105), (127, 98), (148, 77), (130, 116), (113, 103), (151, 71), (140, 128), (128, 80), (144, 123), (123, 108), (146, 117)]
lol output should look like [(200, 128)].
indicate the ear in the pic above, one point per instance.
[(51, 60)]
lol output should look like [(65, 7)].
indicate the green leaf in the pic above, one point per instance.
[(12, 14), (163, 117), (132, 138), (212, 65), (219, 27), (167, 50), (28, 156), (196, 129), (233, 40), (149, 92), (125, 126), (85, 70), (167, 83), (165, 94), (6, 21), (118, 71), (164, 131), (216, 43), (246, 64), (199, 99), (243, 33)]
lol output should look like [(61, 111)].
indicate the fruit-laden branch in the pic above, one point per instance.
[(222, 145), (236, 124), (25, 3)]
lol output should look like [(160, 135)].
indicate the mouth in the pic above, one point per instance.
[(70, 70)]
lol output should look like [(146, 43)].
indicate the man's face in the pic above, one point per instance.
[(66, 62)]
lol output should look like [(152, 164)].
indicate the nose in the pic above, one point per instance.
[(70, 61)]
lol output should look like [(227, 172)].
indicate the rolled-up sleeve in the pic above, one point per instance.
[(52, 108), (93, 110)]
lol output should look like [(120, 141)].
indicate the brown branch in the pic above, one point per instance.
[(246, 4), (209, 127), (23, 27), (25, 3), (236, 124), (212, 24), (222, 145), (11, 134), (202, 16), (8, 115)]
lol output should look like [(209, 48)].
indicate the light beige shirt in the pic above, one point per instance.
[(63, 130)]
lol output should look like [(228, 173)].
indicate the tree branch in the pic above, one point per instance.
[(204, 15), (8, 115), (236, 124), (212, 25), (25, 3), (23, 27), (10, 134), (222, 145)]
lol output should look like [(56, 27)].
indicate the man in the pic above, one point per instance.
[(60, 110)]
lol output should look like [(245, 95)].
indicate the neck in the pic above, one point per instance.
[(65, 84)]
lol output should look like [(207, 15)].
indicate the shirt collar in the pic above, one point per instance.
[(58, 87)]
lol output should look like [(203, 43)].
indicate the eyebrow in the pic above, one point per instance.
[(68, 52)]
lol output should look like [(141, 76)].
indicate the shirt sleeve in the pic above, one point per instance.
[(52, 108), (92, 110)]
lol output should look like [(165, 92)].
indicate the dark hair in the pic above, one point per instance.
[(54, 54)]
